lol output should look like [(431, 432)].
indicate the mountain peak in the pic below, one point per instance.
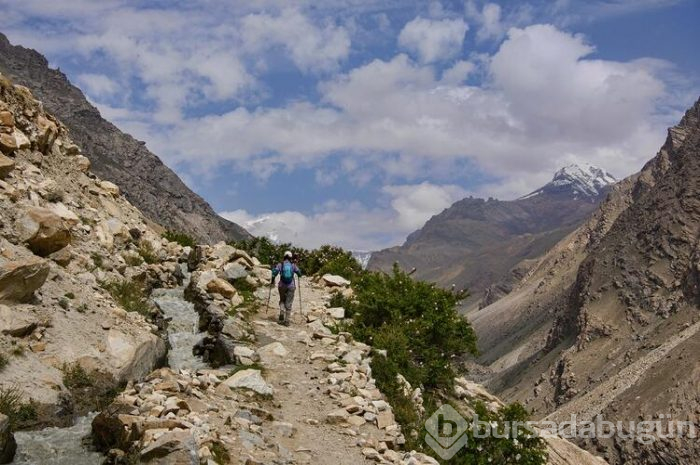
[(579, 180)]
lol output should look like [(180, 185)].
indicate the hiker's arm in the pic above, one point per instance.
[(275, 272), (297, 271)]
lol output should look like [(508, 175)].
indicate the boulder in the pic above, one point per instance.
[(6, 166), (67, 215), (249, 379), (8, 143), (331, 280), (83, 163), (385, 419), (223, 251), (114, 428), (8, 446), (272, 352), (47, 131), (110, 188), (337, 416), (44, 231), (19, 279), (172, 448), (221, 287), (16, 323), (21, 140), (234, 271), (7, 119), (338, 313)]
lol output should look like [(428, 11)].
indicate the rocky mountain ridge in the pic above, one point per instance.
[(604, 324), (115, 156), (487, 245)]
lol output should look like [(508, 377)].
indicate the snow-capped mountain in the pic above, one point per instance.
[(479, 244), (579, 181)]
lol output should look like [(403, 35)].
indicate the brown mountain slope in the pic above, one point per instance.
[(476, 243), (145, 180), (607, 323)]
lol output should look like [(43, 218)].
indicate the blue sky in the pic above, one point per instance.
[(353, 121)]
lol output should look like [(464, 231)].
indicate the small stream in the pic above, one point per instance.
[(57, 446), (66, 446), (182, 328)]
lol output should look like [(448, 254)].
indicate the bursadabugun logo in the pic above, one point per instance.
[(446, 432)]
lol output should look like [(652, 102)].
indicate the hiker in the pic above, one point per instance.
[(287, 287)]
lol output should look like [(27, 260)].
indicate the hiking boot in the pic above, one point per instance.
[(286, 323), (280, 319)]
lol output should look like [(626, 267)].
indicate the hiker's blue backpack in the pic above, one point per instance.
[(287, 274)]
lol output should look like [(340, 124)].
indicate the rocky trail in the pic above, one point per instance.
[(295, 361)]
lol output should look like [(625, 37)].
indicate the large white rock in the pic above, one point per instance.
[(19, 279), (338, 313), (272, 352), (44, 231), (332, 280), (249, 379)]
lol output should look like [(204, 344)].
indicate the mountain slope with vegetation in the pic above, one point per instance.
[(116, 156)]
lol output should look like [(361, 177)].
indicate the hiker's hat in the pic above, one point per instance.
[(288, 254)]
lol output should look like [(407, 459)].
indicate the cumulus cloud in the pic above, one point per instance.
[(98, 85), (433, 40), (310, 47), (545, 103), (353, 225), (415, 204)]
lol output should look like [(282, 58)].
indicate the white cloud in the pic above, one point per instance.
[(98, 85), (310, 47), (415, 204), (433, 40), (458, 73), (353, 225), (545, 104)]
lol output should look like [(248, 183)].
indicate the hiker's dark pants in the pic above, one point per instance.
[(286, 301)]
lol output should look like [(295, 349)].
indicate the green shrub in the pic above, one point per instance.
[(3, 361), (132, 259), (220, 453), (148, 253), (12, 405), (69, 295), (418, 325), (326, 259), (130, 295), (510, 446), (183, 239), (416, 322), (75, 376)]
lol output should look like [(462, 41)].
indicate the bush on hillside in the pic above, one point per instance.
[(326, 259), (416, 322), (12, 405), (130, 295), (418, 325), (181, 238)]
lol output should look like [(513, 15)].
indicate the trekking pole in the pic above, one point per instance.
[(301, 309), (269, 297)]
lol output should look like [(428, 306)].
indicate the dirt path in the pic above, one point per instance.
[(302, 392)]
